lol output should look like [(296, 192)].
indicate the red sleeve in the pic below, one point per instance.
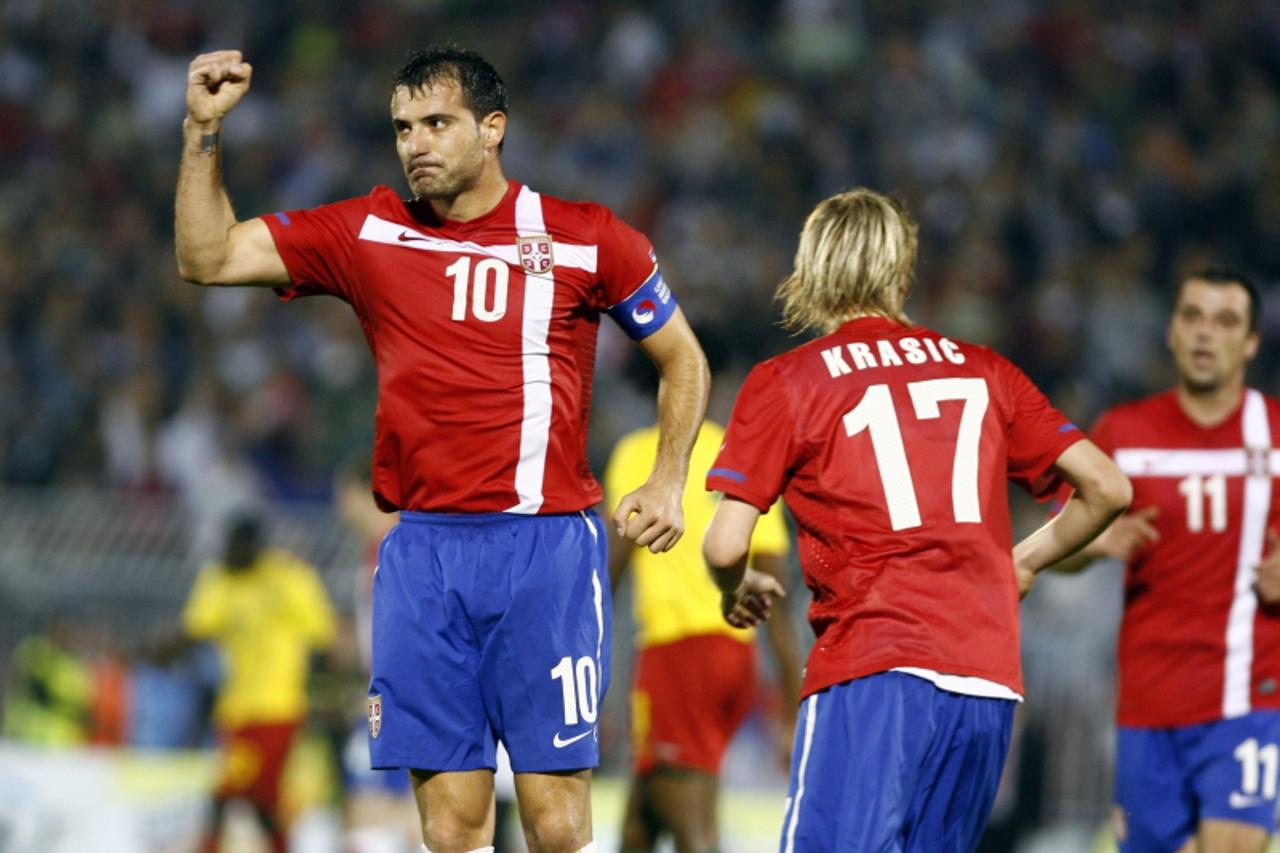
[(318, 247), (756, 455), (626, 258), (1038, 435)]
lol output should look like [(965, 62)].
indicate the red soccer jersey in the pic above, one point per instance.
[(891, 446), (1194, 643), (484, 335)]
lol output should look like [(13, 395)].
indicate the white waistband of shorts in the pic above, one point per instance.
[(965, 685)]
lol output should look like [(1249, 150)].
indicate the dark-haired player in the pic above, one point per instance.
[(1198, 750), (480, 298)]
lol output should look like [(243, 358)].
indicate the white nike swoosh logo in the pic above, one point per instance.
[(561, 744), (1239, 801)]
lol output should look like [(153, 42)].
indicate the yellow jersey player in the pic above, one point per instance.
[(266, 610), (695, 675)]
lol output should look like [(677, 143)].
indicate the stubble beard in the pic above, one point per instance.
[(450, 183)]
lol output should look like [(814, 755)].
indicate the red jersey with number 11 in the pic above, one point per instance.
[(891, 446), (1195, 643)]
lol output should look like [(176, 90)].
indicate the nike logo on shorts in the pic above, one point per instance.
[(406, 237), (1240, 801), (559, 743)]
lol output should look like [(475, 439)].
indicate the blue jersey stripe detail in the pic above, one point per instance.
[(284, 218), (1068, 428), (728, 474)]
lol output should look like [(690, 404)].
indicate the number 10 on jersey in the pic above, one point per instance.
[(876, 413), (486, 271)]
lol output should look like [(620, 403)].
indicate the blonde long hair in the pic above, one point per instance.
[(856, 256)]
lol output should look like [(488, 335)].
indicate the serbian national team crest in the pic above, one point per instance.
[(375, 715), (535, 253)]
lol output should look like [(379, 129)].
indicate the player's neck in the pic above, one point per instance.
[(1210, 408), (484, 196)]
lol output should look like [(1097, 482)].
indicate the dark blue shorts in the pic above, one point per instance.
[(1170, 779), (489, 626), (892, 763)]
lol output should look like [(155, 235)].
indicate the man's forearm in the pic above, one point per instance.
[(682, 402), (203, 216), (1080, 521)]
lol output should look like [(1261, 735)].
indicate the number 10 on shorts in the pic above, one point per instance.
[(578, 685)]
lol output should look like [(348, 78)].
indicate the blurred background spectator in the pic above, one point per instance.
[(1065, 161)]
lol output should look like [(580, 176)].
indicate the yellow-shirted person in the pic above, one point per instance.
[(267, 611), (694, 675)]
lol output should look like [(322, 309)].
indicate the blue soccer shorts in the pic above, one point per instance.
[(1170, 779), (485, 627), (890, 762)]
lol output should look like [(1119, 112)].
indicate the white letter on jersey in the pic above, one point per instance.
[(888, 356), (836, 365), (862, 357), (911, 347), (952, 351)]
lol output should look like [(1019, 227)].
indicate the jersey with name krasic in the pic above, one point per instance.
[(891, 446), (1195, 644), (484, 336)]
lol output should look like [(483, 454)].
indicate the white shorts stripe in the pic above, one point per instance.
[(572, 255), (1253, 526), (810, 718), (535, 430)]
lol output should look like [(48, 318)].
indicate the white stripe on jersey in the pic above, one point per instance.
[(1160, 462), (1253, 525), (535, 430), (810, 718), (377, 230)]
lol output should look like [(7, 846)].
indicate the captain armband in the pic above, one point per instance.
[(647, 309)]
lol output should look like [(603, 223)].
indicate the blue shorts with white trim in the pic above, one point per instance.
[(1168, 780), (489, 627), (890, 762)]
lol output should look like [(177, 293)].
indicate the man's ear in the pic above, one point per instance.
[(494, 129)]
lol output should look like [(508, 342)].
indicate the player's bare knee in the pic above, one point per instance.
[(556, 831), (454, 832)]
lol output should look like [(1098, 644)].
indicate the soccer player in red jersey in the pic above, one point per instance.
[(1198, 747), (480, 299), (891, 445)]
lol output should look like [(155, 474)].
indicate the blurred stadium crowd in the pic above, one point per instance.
[(1065, 161)]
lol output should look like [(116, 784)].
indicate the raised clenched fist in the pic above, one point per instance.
[(215, 83)]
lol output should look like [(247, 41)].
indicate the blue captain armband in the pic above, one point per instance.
[(647, 309)]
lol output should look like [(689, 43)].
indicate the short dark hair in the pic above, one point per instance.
[(1223, 275), (246, 535), (482, 88)]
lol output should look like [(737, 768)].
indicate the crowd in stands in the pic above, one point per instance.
[(1065, 160)]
